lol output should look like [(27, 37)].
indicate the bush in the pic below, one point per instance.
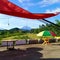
[(24, 37)]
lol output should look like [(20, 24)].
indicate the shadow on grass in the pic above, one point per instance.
[(17, 54)]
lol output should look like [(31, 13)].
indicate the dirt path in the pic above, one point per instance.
[(31, 52)]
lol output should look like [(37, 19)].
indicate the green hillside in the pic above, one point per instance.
[(16, 33)]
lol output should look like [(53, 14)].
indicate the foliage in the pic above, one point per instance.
[(19, 34)]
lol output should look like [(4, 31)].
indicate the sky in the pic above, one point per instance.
[(34, 6)]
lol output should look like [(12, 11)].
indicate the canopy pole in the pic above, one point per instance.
[(51, 23)]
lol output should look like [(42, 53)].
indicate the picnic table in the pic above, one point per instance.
[(10, 44)]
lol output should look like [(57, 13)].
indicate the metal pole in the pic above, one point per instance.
[(52, 23)]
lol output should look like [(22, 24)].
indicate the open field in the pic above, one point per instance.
[(29, 36), (31, 52)]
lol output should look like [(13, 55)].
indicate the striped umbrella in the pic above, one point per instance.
[(46, 33)]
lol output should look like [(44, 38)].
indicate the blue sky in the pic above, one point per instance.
[(34, 6)]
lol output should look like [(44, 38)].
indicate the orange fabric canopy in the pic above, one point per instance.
[(7, 7)]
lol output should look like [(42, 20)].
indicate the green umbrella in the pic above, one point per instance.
[(46, 33)]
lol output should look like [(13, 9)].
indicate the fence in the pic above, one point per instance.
[(23, 42)]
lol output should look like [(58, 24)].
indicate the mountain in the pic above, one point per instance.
[(15, 28), (2, 28), (26, 28)]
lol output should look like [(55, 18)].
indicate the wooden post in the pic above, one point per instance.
[(13, 44), (7, 45)]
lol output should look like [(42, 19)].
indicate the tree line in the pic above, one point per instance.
[(17, 31)]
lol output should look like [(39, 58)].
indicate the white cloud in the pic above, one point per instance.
[(21, 1), (54, 10), (26, 3), (17, 22), (3, 25), (44, 3)]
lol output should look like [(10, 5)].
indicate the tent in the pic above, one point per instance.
[(7, 7)]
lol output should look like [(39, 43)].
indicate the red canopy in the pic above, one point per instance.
[(7, 7)]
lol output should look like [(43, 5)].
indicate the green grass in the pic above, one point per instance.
[(25, 36), (32, 36)]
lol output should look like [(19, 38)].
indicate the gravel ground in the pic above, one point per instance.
[(32, 52)]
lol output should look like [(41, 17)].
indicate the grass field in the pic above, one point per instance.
[(25, 36)]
